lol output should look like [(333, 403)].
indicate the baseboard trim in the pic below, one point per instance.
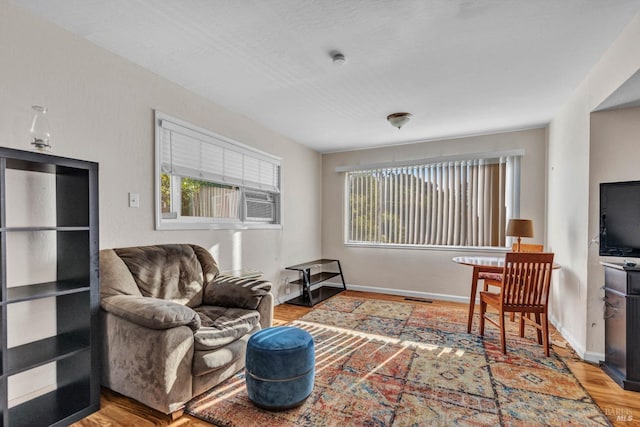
[(592, 356), (589, 356), (406, 293), (389, 291)]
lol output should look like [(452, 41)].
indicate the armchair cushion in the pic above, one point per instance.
[(485, 275), (152, 313), (115, 277), (171, 272), (223, 325), (231, 291), (207, 361)]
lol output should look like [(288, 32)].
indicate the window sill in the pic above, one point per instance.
[(230, 226), (431, 247)]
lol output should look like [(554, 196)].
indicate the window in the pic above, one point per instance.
[(459, 202), (204, 180)]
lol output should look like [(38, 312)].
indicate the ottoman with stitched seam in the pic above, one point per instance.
[(280, 367)]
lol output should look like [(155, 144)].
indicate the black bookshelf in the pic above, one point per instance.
[(60, 407), (75, 292), (46, 290)]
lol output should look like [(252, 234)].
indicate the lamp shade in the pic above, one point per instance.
[(520, 228)]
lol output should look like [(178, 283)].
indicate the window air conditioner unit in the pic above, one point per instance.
[(259, 206)]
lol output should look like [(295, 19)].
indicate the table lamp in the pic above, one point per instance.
[(520, 228)]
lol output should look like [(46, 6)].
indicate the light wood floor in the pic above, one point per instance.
[(622, 407)]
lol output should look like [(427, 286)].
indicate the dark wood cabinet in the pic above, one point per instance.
[(71, 224), (622, 324)]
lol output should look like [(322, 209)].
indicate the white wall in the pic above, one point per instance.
[(613, 141), (101, 109), (573, 169), (424, 272)]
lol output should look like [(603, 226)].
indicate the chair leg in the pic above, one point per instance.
[(483, 308), (176, 414), (522, 324), (503, 342), (545, 334), (538, 330)]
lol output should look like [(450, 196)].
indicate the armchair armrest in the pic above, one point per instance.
[(151, 313), (265, 308), (231, 291)]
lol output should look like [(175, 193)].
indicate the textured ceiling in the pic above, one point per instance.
[(461, 67)]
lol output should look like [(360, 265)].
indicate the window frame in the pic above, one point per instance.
[(181, 222), (513, 209)]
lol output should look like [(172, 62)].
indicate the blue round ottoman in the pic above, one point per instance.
[(280, 367)]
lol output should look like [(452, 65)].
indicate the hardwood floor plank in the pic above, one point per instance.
[(621, 407)]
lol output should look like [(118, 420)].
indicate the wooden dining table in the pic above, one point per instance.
[(489, 264)]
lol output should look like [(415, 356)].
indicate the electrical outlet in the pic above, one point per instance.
[(134, 200)]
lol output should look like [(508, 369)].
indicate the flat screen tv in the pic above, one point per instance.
[(620, 219)]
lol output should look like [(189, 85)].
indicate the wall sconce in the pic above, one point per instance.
[(39, 130)]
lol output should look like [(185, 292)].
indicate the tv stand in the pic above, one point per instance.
[(310, 297), (622, 324)]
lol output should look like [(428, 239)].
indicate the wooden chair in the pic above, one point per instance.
[(524, 289), (528, 247), (495, 279)]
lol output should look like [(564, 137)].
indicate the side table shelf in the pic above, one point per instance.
[(312, 273)]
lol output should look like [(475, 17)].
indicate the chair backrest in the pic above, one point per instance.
[(526, 279), (175, 272), (527, 247)]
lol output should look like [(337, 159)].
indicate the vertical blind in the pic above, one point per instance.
[(456, 203), (213, 202), (189, 153)]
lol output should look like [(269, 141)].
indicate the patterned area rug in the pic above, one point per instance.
[(381, 363)]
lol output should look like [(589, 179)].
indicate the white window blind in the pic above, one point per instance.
[(207, 181), (189, 153), (451, 203)]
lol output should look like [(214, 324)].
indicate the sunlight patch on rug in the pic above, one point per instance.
[(403, 364)]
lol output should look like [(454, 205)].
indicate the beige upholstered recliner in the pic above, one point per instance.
[(173, 327)]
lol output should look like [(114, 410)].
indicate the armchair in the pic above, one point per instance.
[(173, 327)]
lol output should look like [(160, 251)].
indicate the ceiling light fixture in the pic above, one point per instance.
[(338, 58), (399, 119)]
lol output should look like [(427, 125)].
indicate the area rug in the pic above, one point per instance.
[(381, 363)]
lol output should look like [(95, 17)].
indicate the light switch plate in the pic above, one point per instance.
[(134, 200)]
